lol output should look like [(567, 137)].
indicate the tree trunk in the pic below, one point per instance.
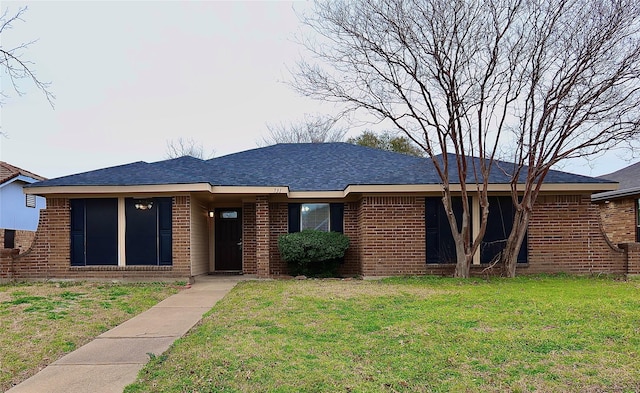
[(463, 262), (509, 256)]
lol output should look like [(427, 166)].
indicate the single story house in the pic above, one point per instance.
[(19, 212), (186, 217)]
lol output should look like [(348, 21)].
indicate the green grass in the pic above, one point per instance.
[(40, 322), (411, 335)]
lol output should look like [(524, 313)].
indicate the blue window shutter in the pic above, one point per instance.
[(294, 217), (336, 214), (77, 232), (439, 240)]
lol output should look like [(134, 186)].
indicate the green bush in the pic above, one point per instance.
[(313, 253)]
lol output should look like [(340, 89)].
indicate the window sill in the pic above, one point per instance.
[(102, 268)]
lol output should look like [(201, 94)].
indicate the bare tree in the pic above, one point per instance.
[(442, 72), (13, 62), (551, 79), (581, 94), (311, 129), (186, 147)]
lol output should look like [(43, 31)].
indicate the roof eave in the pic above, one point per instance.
[(257, 190), (603, 196)]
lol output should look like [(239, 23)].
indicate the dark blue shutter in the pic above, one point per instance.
[(294, 217), (77, 232), (440, 245), (336, 214), (164, 230)]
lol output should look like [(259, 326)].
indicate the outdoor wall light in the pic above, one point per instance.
[(144, 204)]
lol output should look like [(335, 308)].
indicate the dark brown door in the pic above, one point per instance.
[(228, 239)]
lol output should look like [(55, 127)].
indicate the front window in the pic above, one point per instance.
[(315, 216)]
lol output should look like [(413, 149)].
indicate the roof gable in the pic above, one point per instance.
[(9, 172)]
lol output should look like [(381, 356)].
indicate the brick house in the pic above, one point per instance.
[(185, 217), (19, 213), (620, 209)]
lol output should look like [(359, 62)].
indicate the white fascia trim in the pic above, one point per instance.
[(284, 190)]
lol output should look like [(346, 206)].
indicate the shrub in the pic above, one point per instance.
[(313, 253)]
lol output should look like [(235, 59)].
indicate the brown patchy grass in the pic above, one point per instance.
[(40, 322)]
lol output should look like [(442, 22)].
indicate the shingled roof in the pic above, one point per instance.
[(629, 180), (300, 167), (8, 172)]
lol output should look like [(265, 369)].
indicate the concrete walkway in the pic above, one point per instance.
[(112, 361)]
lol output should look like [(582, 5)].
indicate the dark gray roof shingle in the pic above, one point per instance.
[(301, 167)]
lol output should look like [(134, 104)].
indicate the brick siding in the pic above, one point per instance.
[(49, 255), (619, 219), (249, 265), (23, 239), (351, 265), (262, 235), (566, 234), (392, 235), (278, 225)]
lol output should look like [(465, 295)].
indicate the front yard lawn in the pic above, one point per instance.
[(548, 334), (40, 322)]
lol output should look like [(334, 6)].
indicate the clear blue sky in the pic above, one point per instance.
[(129, 76)]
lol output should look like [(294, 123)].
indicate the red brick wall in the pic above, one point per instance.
[(262, 235), (249, 238), (351, 264), (23, 239), (619, 219), (633, 258), (278, 225), (181, 236), (49, 255), (565, 235), (387, 238), (392, 235)]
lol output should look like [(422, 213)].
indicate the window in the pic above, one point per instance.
[(94, 231), (148, 232), (314, 216), (439, 240), (229, 214), (499, 224), (9, 238), (320, 216), (30, 200)]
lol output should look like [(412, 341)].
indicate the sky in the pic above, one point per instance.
[(131, 76)]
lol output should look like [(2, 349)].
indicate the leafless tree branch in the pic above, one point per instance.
[(12, 60)]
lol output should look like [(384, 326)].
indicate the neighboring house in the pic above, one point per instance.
[(19, 212), (186, 217), (620, 208)]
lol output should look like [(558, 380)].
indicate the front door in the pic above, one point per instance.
[(228, 240)]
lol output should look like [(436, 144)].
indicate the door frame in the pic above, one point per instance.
[(215, 224)]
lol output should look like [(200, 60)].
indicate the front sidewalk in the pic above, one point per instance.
[(112, 360)]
